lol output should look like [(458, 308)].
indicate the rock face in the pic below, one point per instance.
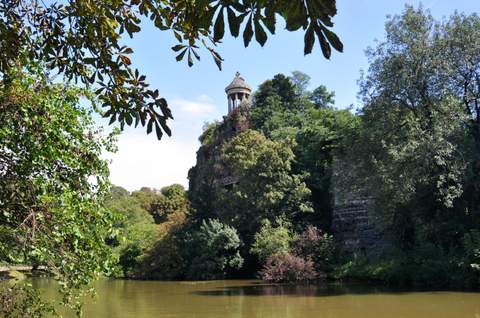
[(353, 223), (209, 172), (354, 228)]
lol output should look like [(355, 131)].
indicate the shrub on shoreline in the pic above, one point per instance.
[(286, 267)]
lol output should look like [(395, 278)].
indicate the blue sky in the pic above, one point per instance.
[(196, 95)]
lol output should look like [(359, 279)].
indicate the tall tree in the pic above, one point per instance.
[(267, 188), (173, 199), (419, 123), (321, 97), (283, 108), (301, 81), (52, 180), (276, 105)]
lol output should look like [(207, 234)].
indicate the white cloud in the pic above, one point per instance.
[(141, 160), (205, 98), (201, 105)]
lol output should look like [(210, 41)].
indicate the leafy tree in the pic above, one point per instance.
[(321, 97), (280, 112), (416, 145), (301, 81), (312, 244), (266, 188), (213, 250), (146, 197), (82, 40), (273, 96), (272, 240), (321, 139), (173, 199), (117, 192), (136, 229), (459, 42), (167, 259), (22, 302), (53, 180)]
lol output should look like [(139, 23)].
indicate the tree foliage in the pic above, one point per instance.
[(167, 259), (173, 199), (146, 197), (136, 229), (53, 180), (272, 240), (22, 302), (417, 142), (283, 110), (321, 97), (213, 250), (83, 41), (267, 188)]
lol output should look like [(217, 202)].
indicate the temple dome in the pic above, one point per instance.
[(237, 92), (238, 83)]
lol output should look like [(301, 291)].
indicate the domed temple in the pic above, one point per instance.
[(237, 92)]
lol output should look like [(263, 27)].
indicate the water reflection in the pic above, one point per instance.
[(247, 299), (310, 290)]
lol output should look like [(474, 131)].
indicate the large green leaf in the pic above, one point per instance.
[(219, 27)]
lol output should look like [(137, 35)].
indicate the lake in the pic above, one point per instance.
[(248, 299)]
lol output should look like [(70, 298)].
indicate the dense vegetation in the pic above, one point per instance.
[(268, 221), (416, 150), (261, 197), (53, 181), (412, 149)]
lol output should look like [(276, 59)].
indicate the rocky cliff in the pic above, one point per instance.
[(209, 172)]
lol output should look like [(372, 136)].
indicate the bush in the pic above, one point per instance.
[(213, 250), (288, 268), (129, 258), (164, 260), (271, 240), (315, 245), (173, 199), (23, 302), (426, 266), (471, 243)]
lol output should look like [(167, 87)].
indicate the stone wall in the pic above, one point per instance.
[(353, 223), (355, 229)]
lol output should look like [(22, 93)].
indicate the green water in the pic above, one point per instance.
[(248, 299)]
